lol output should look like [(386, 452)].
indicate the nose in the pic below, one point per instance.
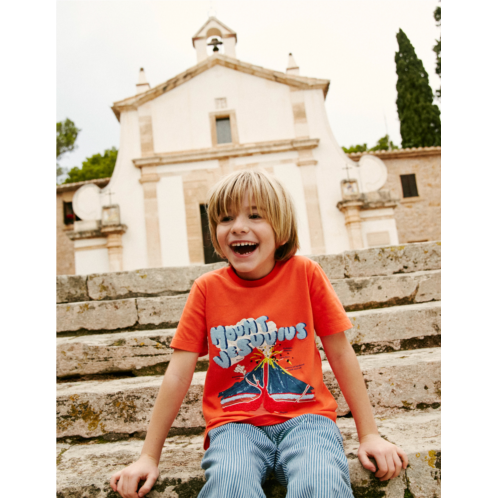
[(239, 225)]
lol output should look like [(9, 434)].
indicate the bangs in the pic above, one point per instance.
[(272, 201), (231, 195)]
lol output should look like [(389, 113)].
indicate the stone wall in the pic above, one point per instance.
[(65, 247), (418, 219)]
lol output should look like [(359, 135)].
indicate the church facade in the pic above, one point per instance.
[(180, 137)]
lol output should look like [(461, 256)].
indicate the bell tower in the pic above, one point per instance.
[(214, 38)]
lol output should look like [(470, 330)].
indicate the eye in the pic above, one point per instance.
[(254, 216), (224, 219)]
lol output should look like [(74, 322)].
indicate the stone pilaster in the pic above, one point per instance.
[(115, 246), (149, 181), (351, 210)]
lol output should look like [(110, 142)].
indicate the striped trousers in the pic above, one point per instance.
[(306, 454)]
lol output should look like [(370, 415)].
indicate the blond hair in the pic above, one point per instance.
[(272, 200)]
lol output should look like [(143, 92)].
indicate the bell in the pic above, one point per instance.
[(215, 42)]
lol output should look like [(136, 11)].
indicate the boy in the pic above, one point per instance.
[(265, 403)]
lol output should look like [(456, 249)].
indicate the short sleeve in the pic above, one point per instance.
[(329, 316), (191, 334)]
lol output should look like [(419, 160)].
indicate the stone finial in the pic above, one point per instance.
[(142, 85), (292, 67)]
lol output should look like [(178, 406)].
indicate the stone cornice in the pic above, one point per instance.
[(84, 234), (398, 153), (300, 82), (224, 151), (68, 187), (110, 229)]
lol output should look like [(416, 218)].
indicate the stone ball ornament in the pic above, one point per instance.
[(87, 202)]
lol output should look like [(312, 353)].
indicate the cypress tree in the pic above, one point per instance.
[(420, 119), (437, 49)]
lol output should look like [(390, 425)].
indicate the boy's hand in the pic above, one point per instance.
[(387, 455), (126, 481)]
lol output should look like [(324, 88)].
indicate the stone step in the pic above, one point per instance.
[(178, 280), (397, 381), (165, 312), (147, 352), (84, 470)]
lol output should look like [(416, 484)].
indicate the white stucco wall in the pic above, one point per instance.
[(290, 176), (172, 221), (331, 161), (91, 260), (180, 118), (371, 224), (128, 193)]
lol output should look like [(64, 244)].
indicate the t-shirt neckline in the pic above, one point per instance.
[(255, 283)]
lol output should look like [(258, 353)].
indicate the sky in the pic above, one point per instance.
[(102, 44)]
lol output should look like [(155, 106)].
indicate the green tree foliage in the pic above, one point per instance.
[(437, 49), (355, 148), (382, 144), (420, 119), (67, 133), (97, 166)]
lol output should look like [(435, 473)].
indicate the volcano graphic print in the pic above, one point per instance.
[(258, 341), (268, 384)]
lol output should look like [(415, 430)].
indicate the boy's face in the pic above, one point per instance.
[(247, 241)]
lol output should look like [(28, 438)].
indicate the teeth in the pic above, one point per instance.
[(238, 244)]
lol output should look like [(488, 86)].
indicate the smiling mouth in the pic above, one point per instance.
[(243, 247)]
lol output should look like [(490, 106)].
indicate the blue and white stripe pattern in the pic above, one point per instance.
[(305, 452)]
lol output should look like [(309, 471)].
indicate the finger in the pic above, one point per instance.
[(391, 468), (151, 479), (125, 486), (382, 465), (365, 461), (114, 480), (403, 457), (397, 463), (131, 486)]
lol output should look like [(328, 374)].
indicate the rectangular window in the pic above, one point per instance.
[(68, 213), (223, 131), (210, 255), (409, 185)]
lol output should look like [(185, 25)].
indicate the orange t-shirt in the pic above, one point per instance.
[(264, 366)]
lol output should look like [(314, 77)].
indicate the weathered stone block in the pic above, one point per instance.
[(91, 409), (429, 287), (110, 315), (393, 259), (419, 435), (147, 282), (161, 311), (395, 328), (85, 470), (393, 290), (110, 353), (71, 288), (405, 380), (395, 381), (331, 264)]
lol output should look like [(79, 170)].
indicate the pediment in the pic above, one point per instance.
[(213, 27), (300, 82)]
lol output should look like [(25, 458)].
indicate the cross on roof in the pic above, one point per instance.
[(347, 168), (110, 194)]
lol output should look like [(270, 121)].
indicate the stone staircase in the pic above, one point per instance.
[(114, 332)]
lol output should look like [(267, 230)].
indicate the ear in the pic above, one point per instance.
[(283, 243)]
